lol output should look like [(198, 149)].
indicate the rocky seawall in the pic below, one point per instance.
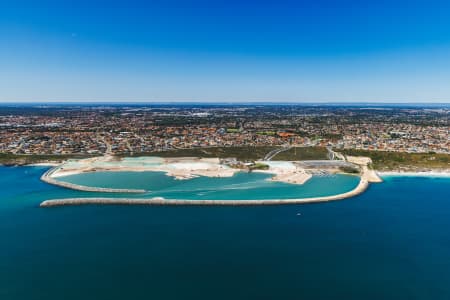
[(361, 187), (46, 177)]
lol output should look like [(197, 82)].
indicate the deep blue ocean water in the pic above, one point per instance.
[(392, 242)]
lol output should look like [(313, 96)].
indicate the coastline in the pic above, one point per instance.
[(187, 168)]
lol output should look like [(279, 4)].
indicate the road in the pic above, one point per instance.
[(274, 152)]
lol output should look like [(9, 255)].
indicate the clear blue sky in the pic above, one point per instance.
[(303, 51)]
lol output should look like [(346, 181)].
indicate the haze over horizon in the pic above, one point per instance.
[(225, 51)]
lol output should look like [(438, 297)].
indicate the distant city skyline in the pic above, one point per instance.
[(225, 51)]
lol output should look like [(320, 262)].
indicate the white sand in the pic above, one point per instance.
[(285, 171), (366, 173), (187, 168), (180, 168), (49, 164)]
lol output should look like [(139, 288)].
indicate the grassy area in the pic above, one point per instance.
[(266, 132), (241, 153), (259, 166), (24, 159), (232, 130), (383, 160), (303, 153), (349, 170)]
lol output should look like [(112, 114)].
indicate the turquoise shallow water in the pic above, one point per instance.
[(392, 242), (241, 186)]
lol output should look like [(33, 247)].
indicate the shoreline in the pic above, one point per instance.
[(437, 172), (187, 168)]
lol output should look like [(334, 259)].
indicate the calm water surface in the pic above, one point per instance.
[(392, 242), (240, 186)]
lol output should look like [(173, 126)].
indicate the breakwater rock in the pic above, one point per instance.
[(46, 177), (361, 187)]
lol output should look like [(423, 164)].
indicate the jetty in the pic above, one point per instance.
[(46, 177)]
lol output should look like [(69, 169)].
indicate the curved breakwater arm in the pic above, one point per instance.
[(361, 187), (46, 177)]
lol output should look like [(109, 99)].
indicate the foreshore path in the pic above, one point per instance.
[(274, 152)]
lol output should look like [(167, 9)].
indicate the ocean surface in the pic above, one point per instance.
[(391, 242)]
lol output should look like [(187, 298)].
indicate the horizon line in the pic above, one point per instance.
[(250, 102)]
